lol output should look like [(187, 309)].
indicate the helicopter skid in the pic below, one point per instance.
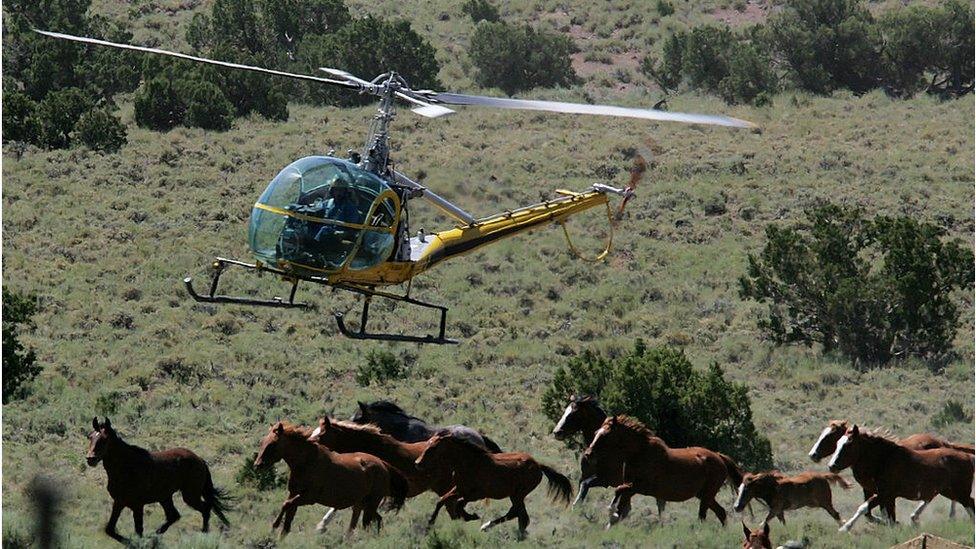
[(361, 333), (213, 297)]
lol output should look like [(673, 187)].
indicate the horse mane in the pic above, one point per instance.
[(389, 407), (878, 434), (361, 427), (634, 424), (444, 433), (293, 430)]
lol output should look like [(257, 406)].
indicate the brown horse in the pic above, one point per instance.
[(654, 469), (786, 493), (584, 415), (826, 444), (479, 474), (319, 475), (138, 477), (344, 437), (756, 539), (917, 475)]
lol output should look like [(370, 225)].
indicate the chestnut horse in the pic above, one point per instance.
[(479, 474), (917, 475), (584, 415), (319, 475), (138, 477), (654, 469), (756, 539), (344, 437), (786, 493), (826, 444)]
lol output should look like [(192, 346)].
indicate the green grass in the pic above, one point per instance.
[(105, 239)]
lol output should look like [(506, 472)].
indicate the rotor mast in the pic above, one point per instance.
[(376, 152)]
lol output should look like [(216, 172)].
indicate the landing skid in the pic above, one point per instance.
[(220, 264)]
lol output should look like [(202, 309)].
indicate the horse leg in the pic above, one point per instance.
[(952, 509), (869, 516), (137, 519), (863, 510), (523, 521), (284, 508), (326, 518), (113, 521), (353, 520), (468, 517), (172, 515), (889, 509), (196, 502), (720, 511), (620, 506), (918, 511), (512, 513), (660, 507), (584, 487), (289, 516), (450, 496)]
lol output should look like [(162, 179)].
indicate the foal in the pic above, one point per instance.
[(917, 475), (782, 493), (138, 477), (318, 475), (654, 469), (479, 474), (826, 444), (584, 415), (756, 539)]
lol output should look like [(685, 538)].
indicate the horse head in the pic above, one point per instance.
[(756, 539), (269, 453), (758, 485), (847, 450), (827, 442), (580, 412), (100, 441), (435, 452)]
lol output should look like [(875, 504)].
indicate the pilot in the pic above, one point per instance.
[(340, 206)]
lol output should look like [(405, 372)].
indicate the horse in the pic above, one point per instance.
[(138, 477), (901, 472), (826, 444), (393, 420), (319, 475), (786, 493), (756, 539), (654, 469), (480, 474), (344, 437), (584, 415)]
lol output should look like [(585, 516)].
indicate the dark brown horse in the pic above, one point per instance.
[(319, 475), (786, 493), (756, 539), (479, 474), (345, 437), (826, 444), (584, 415), (917, 475), (654, 469), (138, 477)]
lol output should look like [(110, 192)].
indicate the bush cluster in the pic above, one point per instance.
[(19, 364), (658, 385), (518, 57), (873, 289), (824, 45)]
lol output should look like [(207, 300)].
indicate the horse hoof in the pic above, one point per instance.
[(521, 535), (844, 528), (486, 526)]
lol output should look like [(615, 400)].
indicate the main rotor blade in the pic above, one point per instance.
[(342, 83), (580, 108), (423, 108)]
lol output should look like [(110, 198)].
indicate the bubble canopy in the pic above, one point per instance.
[(322, 215)]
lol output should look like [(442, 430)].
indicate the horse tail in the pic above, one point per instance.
[(219, 500), (560, 488), (398, 488), (735, 473), (490, 445), (837, 479)]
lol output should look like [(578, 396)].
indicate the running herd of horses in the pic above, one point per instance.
[(385, 455)]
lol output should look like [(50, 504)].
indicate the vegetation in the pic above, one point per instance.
[(518, 57), (480, 10), (100, 130), (20, 365), (103, 241), (875, 290), (659, 386)]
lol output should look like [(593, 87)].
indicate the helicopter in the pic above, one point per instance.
[(344, 222)]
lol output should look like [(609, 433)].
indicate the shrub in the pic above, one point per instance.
[(58, 114), (20, 118), (207, 107), (382, 366), (952, 412), (827, 44), (668, 73), (750, 78), (874, 290), (19, 364), (480, 10), (665, 8), (101, 131), (659, 386), (263, 478), (159, 105), (516, 58)]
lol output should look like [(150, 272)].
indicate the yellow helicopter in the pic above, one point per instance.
[(344, 223)]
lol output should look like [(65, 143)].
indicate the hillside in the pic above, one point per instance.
[(105, 240)]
